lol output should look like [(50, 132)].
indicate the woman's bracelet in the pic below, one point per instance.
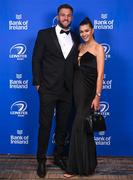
[(98, 94)]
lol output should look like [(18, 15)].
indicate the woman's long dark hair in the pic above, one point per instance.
[(85, 21)]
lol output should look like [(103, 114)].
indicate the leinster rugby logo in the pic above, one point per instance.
[(106, 50), (104, 108), (19, 108), (18, 51)]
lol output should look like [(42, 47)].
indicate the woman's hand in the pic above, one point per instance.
[(96, 103)]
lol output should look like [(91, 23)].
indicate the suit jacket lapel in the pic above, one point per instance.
[(54, 36), (55, 39), (72, 46)]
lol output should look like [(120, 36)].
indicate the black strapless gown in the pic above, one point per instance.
[(82, 158)]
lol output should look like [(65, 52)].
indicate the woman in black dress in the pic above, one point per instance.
[(88, 79)]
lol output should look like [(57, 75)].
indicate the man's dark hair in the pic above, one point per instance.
[(85, 21), (66, 6)]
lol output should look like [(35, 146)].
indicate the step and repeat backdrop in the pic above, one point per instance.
[(19, 24)]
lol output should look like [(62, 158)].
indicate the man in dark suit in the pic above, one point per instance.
[(54, 55)]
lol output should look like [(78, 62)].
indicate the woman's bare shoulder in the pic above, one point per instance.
[(99, 47)]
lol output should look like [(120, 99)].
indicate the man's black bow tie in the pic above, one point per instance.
[(62, 31)]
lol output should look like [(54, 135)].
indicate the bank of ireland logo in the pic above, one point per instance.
[(106, 50), (104, 108), (18, 83), (104, 22), (101, 133), (19, 76), (104, 16), (103, 140), (19, 138), (19, 108), (107, 83), (18, 24), (18, 51)]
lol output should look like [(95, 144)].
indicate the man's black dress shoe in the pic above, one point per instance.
[(41, 169), (58, 161)]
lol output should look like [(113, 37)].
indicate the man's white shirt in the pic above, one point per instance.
[(65, 41)]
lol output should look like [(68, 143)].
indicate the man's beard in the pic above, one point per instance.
[(62, 26)]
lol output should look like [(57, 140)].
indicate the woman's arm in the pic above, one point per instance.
[(100, 76)]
